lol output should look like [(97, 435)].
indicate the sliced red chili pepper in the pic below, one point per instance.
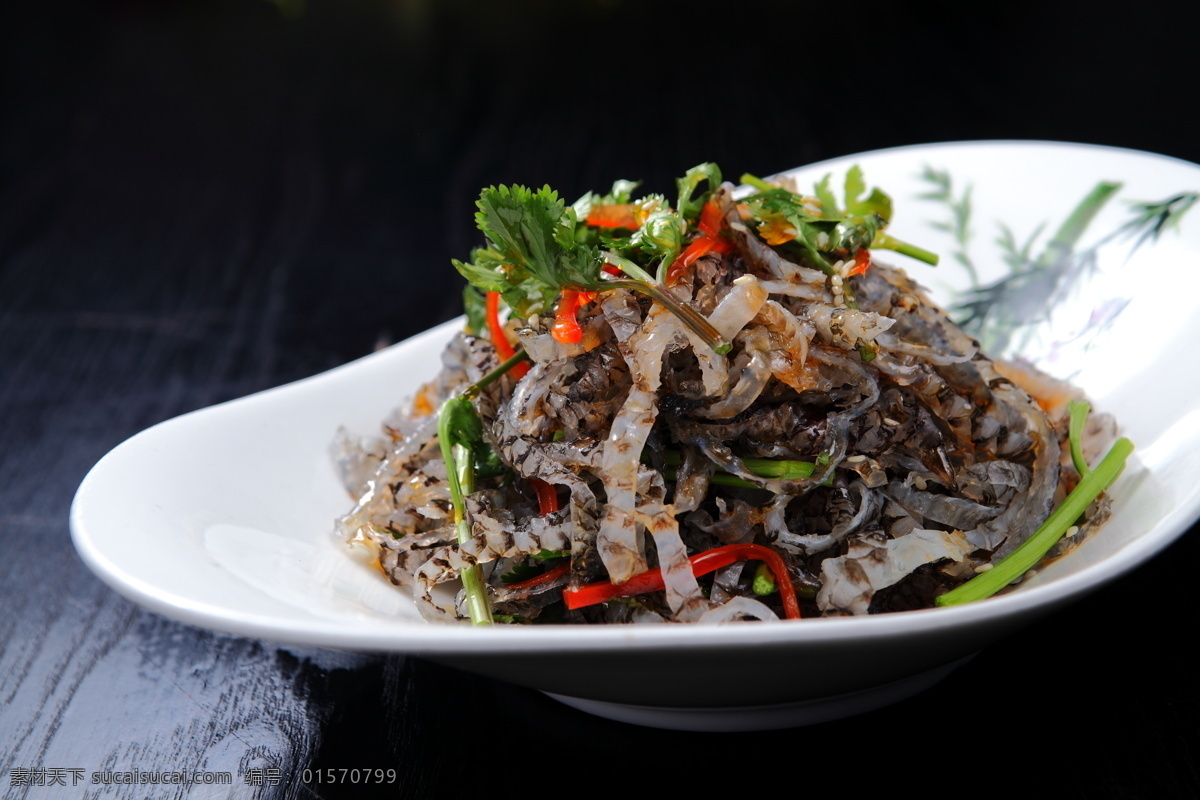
[(702, 564), (566, 328), (545, 577), (706, 244), (862, 260), (722, 245), (710, 241), (683, 263), (613, 215), (499, 338), (546, 495), (547, 504), (711, 219)]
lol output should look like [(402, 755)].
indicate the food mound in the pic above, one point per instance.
[(714, 410)]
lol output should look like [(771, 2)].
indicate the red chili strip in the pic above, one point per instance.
[(613, 215), (711, 219), (566, 328), (702, 564), (862, 260), (545, 577), (546, 495), (499, 338), (709, 241), (547, 504)]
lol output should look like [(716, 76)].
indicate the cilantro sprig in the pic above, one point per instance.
[(816, 230), (537, 251), (533, 253), (819, 230), (468, 456)]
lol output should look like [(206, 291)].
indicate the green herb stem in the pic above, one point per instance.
[(756, 182), (762, 467), (460, 476), (716, 479), (479, 609), (764, 580), (1078, 411), (628, 267), (459, 434), (886, 242), (495, 374), (686, 314), (1021, 560), (785, 470)]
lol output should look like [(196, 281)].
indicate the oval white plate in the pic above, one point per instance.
[(222, 518)]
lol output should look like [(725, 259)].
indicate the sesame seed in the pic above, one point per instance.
[(856, 459), (920, 483), (1071, 531), (890, 421), (982, 568)]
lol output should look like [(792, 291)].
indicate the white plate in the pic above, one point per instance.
[(222, 518)]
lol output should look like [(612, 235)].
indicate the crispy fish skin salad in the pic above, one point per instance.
[(717, 409)]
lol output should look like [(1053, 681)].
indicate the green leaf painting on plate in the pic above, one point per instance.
[(1040, 271)]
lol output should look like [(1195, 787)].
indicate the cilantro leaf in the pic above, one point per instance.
[(544, 554), (473, 306), (831, 230), (825, 196), (538, 249), (622, 191), (487, 271), (854, 184), (877, 203), (660, 237), (535, 232), (687, 185), (521, 571), (482, 273)]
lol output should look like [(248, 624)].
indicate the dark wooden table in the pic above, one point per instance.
[(199, 200)]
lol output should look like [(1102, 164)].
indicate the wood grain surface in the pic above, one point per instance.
[(202, 200)]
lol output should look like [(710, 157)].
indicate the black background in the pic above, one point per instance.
[(199, 200)]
